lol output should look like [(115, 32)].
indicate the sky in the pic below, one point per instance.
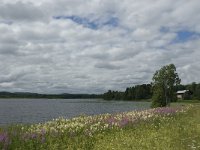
[(91, 46)]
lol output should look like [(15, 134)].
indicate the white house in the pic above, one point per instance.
[(184, 94)]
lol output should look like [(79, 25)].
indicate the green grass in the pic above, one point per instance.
[(181, 132), (188, 101), (175, 132)]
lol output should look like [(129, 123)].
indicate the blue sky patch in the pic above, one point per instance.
[(112, 22), (92, 24), (184, 35)]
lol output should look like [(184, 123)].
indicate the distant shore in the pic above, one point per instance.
[(48, 96)]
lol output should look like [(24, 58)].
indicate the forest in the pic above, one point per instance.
[(144, 92)]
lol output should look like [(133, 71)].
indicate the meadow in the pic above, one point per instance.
[(167, 128)]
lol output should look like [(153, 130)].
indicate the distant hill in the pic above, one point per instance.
[(49, 96)]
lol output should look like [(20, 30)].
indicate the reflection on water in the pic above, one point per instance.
[(39, 110)]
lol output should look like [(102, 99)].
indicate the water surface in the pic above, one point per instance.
[(14, 111)]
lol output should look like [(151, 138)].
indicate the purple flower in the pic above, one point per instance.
[(33, 135), (4, 137), (111, 120), (166, 110), (124, 122)]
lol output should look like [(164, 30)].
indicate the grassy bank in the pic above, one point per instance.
[(188, 101), (179, 132), (162, 128)]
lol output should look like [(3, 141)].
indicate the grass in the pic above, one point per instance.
[(171, 128), (189, 101), (180, 132)]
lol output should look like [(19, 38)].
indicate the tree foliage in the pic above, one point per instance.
[(164, 82), (137, 92), (195, 89)]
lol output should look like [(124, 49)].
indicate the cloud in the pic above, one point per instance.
[(107, 66), (68, 46), (21, 11)]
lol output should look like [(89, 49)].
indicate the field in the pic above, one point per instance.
[(170, 128)]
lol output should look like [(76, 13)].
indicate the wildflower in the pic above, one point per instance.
[(4, 139)]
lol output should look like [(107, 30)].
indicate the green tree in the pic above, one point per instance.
[(108, 95), (164, 82)]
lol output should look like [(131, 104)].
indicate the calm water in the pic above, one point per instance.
[(41, 110)]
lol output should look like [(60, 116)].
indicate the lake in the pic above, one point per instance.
[(14, 111)]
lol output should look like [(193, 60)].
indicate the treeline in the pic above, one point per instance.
[(137, 92), (48, 96), (144, 91)]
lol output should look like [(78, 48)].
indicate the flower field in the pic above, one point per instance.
[(127, 130)]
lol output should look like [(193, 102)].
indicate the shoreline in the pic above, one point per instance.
[(87, 129)]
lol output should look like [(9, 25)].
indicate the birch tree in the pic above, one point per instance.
[(164, 81)]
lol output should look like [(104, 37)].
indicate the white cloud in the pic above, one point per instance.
[(44, 54)]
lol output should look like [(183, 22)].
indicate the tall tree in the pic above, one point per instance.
[(164, 81)]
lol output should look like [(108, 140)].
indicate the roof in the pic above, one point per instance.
[(182, 92)]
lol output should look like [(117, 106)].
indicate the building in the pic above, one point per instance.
[(184, 94)]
